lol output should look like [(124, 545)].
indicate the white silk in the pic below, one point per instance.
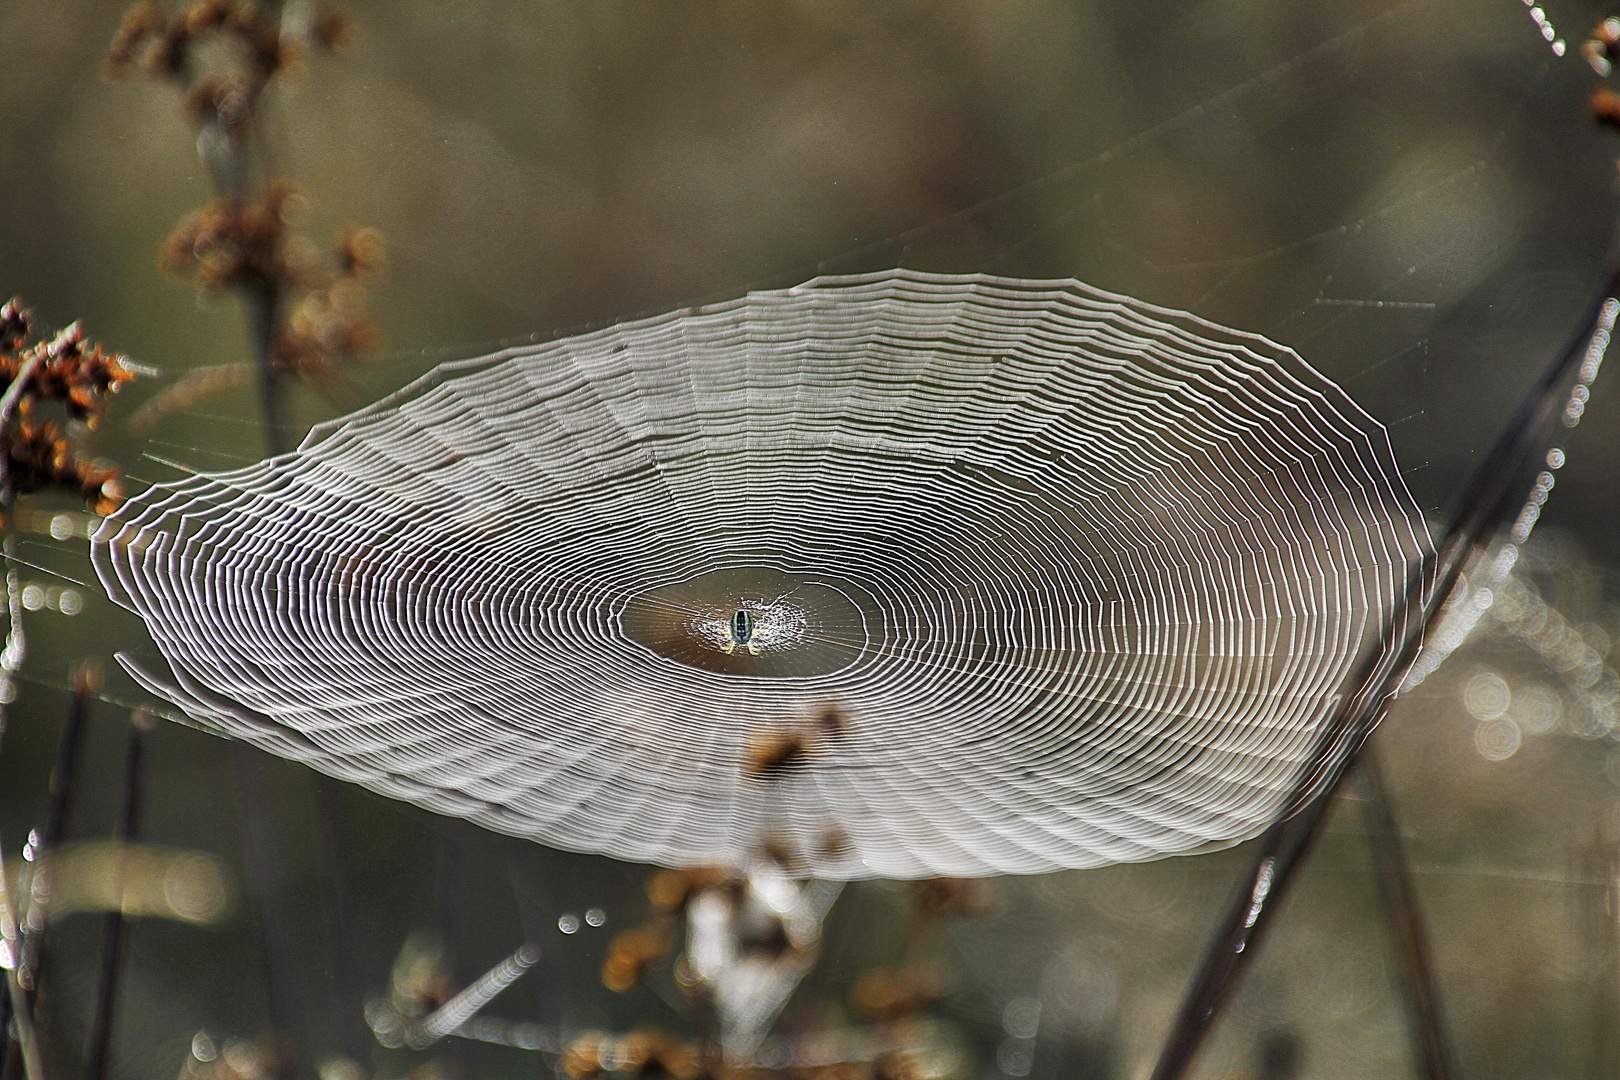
[(1106, 569)]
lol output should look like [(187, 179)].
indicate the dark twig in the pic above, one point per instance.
[(351, 995), (112, 935), (62, 787), (16, 1013), (1280, 849), (265, 870), (1405, 920), (22, 1020)]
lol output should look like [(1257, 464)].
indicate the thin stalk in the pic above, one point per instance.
[(231, 164), (112, 934), (263, 309), (18, 1013), (1405, 920), (352, 1031), (1279, 850), (62, 786), (33, 1062), (262, 851)]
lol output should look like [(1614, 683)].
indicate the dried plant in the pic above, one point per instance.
[(643, 1052), (309, 313), (76, 374)]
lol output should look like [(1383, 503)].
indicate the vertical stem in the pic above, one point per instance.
[(1279, 850), (112, 935), (33, 1063), (62, 784), (264, 871), (1405, 920), (264, 316), (18, 1012), (352, 1031)]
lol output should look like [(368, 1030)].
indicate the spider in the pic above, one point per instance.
[(742, 633)]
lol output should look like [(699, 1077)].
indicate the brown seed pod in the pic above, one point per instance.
[(631, 953), (1605, 107), (772, 754), (884, 995)]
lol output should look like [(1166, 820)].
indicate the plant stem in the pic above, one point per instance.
[(112, 937), (62, 786), (1279, 850), (19, 1013), (33, 1062), (1405, 920), (264, 870)]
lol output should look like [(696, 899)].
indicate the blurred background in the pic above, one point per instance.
[(1412, 195)]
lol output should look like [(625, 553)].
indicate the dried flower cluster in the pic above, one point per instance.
[(773, 753), (885, 995), (233, 245), (331, 323), (223, 54), (1605, 106), (74, 372), (257, 45), (1602, 46), (633, 952), (238, 1059), (1602, 50), (644, 1052), (230, 244), (163, 45)]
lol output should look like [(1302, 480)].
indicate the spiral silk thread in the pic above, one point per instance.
[(1035, 576)]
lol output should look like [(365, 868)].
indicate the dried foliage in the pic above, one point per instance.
[(78, 375), (632, 953), (223, 54), (941, 898), (230, 245), (164, 46), (643, 1052), (884, 995), (669, 890)]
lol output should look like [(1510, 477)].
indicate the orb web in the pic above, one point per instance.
[(896, 574)]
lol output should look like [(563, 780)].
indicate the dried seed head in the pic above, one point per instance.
[(1605, 107), (631, 953), (361, 251), (15, 322)]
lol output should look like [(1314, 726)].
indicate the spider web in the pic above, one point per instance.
[(1373, 279), (1112, 568), (1410, 197)]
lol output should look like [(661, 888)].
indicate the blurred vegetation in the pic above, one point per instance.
[(1413, 195)]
